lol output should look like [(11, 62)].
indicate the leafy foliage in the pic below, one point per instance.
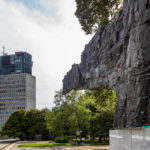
[(101, 104), (77, 114), (62, 139), (15, 125), (94, 13), (26, 124), (82, 113)]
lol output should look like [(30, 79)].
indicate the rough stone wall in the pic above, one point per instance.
[(118, 58)]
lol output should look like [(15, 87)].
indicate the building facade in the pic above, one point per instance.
[(20, 62), (17, 85)]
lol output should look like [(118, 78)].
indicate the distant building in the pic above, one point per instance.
[(21, 62), (17, 85)]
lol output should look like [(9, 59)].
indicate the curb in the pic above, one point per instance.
[(9, 147)]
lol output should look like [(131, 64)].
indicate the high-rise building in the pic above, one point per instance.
[(21, 62), (17, 85)]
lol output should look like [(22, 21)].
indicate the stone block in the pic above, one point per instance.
[(130, 139)]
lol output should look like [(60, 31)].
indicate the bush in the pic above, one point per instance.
[(62, 139)]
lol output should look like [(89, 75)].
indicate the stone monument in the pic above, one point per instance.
[(118, 58)]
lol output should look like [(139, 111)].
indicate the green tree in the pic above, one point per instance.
[(82, 113), (50, 124), (59, 120), (26, 124), (94, 13), (36, 124), (102, 112), (15, 125), (69, 117)]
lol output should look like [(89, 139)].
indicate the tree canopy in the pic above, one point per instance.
[(26, 124), (77, 114), (94, 13), (82, 113)]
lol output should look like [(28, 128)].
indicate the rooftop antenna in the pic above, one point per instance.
[(3, 50)]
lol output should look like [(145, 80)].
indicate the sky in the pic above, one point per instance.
[(50, 32)]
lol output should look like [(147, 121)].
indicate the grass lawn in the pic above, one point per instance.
[(94, 143), (44, 145)]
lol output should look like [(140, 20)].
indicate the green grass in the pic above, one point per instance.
[(92, 143), (44, 145)]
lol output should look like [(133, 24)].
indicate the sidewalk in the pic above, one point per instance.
[(6, 142), (14, 147)]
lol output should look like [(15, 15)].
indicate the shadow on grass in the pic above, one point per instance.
[(92, 143)]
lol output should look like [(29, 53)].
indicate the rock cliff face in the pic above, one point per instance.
[(118, 58)]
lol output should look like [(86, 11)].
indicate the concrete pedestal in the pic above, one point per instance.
[(130, 139)]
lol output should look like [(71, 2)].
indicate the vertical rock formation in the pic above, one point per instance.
[(118, 58)]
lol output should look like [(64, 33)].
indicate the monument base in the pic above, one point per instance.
[(130, 139)]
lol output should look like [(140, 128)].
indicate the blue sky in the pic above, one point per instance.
[(32, 4), (35, 5)]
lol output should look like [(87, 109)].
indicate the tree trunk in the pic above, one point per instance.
[(100, 139)]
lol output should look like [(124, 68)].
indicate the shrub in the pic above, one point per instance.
[(62, 139)]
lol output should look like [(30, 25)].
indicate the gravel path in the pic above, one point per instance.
[(64, 148), (6, 142), (14, 147)]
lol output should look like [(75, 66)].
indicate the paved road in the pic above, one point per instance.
[(5, 143)]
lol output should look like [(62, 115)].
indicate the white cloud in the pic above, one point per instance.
[(55, 41)]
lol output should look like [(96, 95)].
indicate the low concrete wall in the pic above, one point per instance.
[(130, 139)]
